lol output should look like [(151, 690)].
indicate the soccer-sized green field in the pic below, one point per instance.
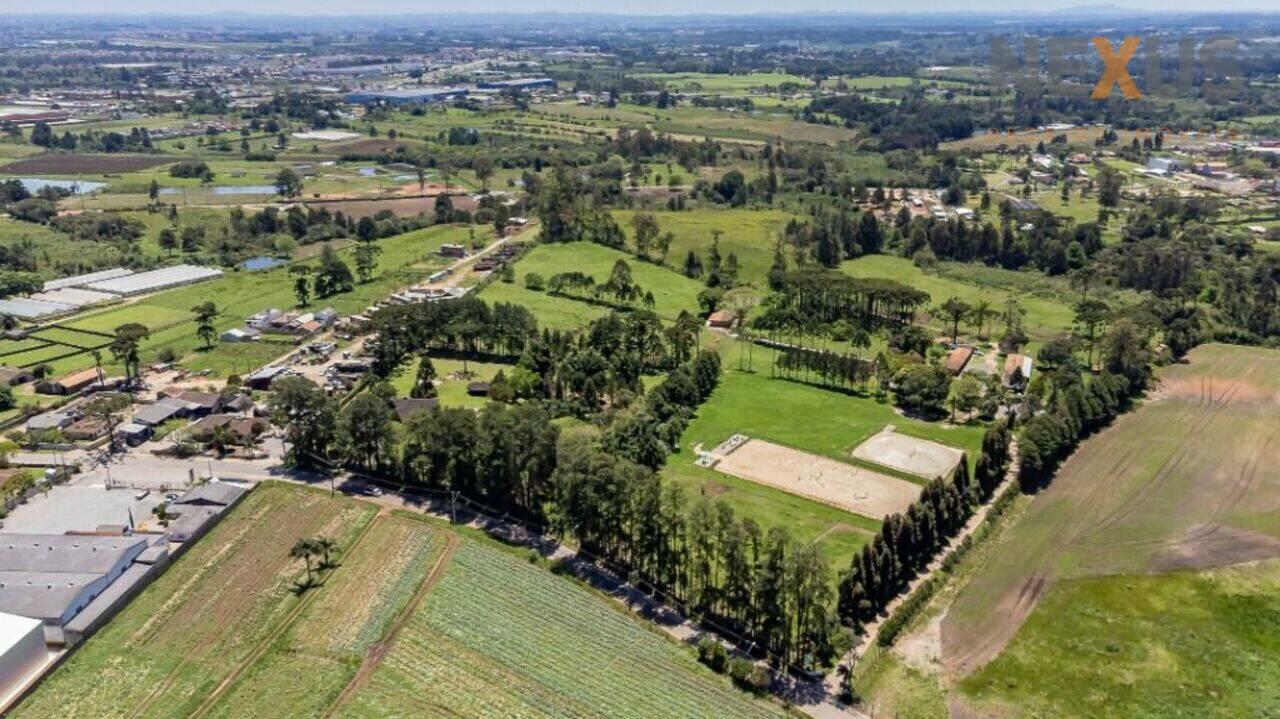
[(501, 637), (751, 235), (803, 417)]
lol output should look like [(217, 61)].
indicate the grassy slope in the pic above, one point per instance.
[(749, 234), (673, 292), (1180, 645), (1047, 302)]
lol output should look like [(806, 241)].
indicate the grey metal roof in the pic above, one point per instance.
[(64, 553), (42, 595), (159, 412), (221, 493)]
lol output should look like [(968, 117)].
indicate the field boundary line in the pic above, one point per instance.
[(265, 644), (373, 656)]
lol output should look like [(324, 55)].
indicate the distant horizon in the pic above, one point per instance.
[(161, 9)]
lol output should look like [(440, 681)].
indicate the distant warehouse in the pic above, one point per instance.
[(410, 96), (524, 83)]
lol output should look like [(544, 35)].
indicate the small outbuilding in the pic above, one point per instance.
[(14, 376)]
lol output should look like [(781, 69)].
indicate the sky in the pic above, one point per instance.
[(648, 7)]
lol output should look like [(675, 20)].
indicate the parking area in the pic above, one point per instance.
[(69, 508)]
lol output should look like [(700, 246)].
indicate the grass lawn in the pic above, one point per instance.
[(1188, 644), (452, 392), (749, 234), (807, 418), (672, 291), (1047, 301), (552, 312)]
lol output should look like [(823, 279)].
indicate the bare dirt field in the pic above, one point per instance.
[(1186, 481), (909, 454), (835, 483), (369, 146), (402, 207), (58, 164)]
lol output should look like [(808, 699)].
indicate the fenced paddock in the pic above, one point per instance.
[(909, 454), (825, 480)]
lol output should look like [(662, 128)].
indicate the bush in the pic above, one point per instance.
[(535, 282), (713, 654), (924, 259), (749, 676)]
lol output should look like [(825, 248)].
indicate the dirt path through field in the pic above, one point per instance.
[(373, 657)]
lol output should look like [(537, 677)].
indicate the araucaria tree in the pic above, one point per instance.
[(205, 313)]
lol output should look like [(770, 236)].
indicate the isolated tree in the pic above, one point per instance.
[(106, 408), (424, 382), (645, 228), (483, 167), (978, 314), (288, 183), (304, 549), (124, 347), (205, 314), (955, 310), (326, 547), (301, 283), (153, 191), (1090, 316), (367, 252), (966, 396), (168, 240)]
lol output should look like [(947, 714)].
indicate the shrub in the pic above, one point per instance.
[(535, 282), (749, 676), (713, 654)]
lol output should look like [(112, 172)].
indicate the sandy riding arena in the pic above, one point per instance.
[(908, 454), (841, 485)]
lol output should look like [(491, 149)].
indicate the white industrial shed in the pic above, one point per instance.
[(29, 309), (160, 279), (52, 577), (81, 280), (74, 296), (22, 654)]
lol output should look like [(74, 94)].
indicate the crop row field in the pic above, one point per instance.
[(412, 620), (198, 622), (499, 637)]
